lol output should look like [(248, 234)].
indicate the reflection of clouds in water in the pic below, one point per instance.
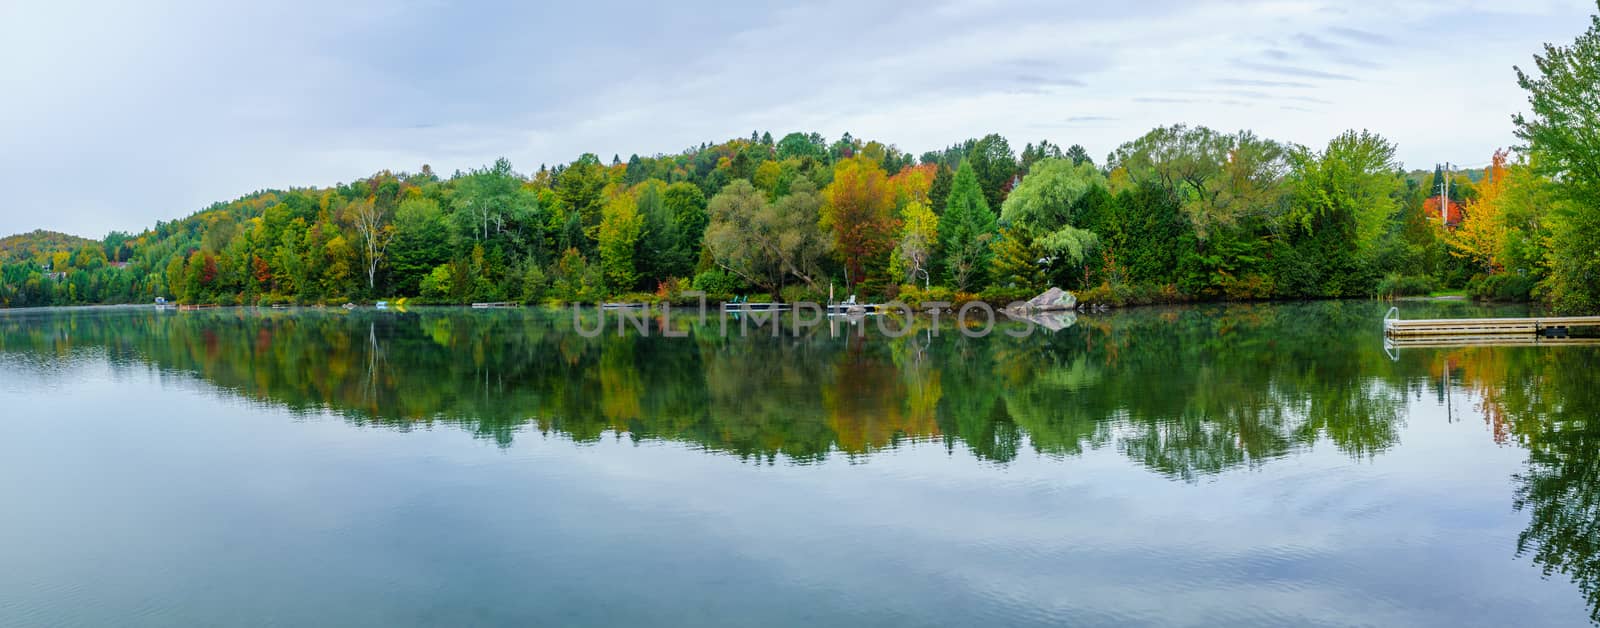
[(1398, 522)]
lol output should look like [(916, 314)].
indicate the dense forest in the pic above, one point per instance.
[(1181, 213)]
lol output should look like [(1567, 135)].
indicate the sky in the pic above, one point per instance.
[(114, 115)]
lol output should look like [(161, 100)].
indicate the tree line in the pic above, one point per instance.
[(1180, 213)]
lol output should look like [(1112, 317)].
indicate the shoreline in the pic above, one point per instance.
[(1080, 309)]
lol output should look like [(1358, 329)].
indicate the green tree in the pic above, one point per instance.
[(436, 286), (491, 201), (581, 191), (801, 145), (687, 205), (1345, 196), (662, 251), (421, 242), (1563, 132), (90, 257), (1043, 207), (1218, 179), (995, 166), (618, 234), (1033, 154), (575, 280), (767, 243), (939, 192), (1078, 155), (1016, 260), (966, 231)]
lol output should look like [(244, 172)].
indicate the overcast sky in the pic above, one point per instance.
[(115, 115)]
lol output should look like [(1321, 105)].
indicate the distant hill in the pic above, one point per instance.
[(27, 246)]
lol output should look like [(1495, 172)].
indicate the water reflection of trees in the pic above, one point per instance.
[(1548, 402), (1184, 392)]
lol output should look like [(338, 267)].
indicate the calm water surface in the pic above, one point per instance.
[(1260, 465)]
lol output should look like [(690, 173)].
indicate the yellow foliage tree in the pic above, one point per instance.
[(919, 234), (620, 228), (913, 185), (1482, 231)]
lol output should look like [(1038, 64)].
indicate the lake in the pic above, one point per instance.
[(1241, 465)]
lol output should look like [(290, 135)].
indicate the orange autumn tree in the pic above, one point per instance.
[(1482, 231), (912, 185), (858, 208), (1430, 208)]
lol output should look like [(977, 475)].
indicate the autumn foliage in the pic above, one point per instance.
[(913, 184), (858, 207), (1481, 232), (1430, 207)]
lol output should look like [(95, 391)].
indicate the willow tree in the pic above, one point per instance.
[(1043, 207), (767, 243), (1217, 178)]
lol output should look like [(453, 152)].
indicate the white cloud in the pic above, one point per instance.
[(118, 115)]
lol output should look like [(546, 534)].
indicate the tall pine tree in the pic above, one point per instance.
[(966, 231)]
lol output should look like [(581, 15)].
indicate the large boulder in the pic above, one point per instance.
[(1052, 300)]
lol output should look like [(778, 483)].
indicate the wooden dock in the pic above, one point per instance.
[(854, 309), (1482, 328), (746, 306), (1502, 340)]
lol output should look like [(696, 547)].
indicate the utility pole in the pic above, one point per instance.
[(1444, 196)]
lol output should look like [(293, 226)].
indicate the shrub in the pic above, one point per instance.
[(637, 297), (1121, 294), (574, 280), (436, 286), (915, 296), (1502, 287), (798, 294), (1001, 297), (533, 285), (1249, 287), (717, 282), (671, 290), (1397, 285), (270, 299)]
